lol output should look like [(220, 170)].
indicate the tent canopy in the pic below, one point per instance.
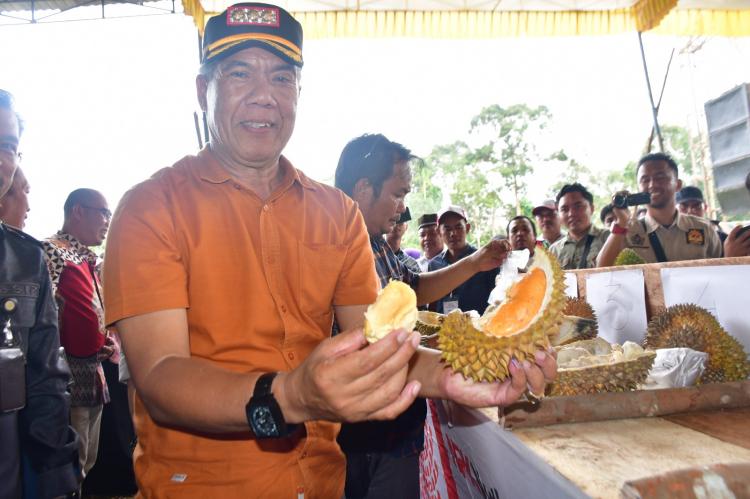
[(498, 18)]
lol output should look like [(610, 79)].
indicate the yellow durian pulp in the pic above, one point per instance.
[(394, 308)]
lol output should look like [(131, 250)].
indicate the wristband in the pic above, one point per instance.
[(616, 229)]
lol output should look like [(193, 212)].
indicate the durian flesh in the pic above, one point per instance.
[(523, 323), (593, 366), (394, 308)]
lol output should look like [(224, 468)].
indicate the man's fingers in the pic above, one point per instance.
[(346, 342), (404, 400), (534, 378), (377, 369), (517, 381), (547, 362), (395, 347)]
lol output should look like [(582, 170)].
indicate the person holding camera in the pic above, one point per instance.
[(664, 234), (579, 248)]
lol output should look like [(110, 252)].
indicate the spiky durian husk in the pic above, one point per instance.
[(628, 257), (575, 329), (428, 323), (578, 307), (618, 377), (690, 326), (485, 358)]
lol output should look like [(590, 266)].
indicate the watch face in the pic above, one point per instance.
[(263, 422)]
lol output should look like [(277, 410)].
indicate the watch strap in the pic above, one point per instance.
[(616, 229), (263, 385)]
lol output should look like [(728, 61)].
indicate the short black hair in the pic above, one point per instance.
[(608, 208), (78, 197), (575, 187), (521, 217), (8, 102), (370, 156), (659, 156)]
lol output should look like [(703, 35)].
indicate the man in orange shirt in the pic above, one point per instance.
[(222, 275)]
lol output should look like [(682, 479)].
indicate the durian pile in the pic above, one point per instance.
[(525, 321), (690, 326), (594, 366)]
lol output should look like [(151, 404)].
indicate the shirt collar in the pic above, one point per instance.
[(680, 220), (593, 230), (212, 171), (468, 249), (77, 246)]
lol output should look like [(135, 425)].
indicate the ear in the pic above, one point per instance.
[(362, 192), (468, 227), (679, 184), (201, 87)]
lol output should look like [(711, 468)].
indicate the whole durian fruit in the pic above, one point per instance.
[(628, 257), (395, 307), (690, 326), (522, 323)]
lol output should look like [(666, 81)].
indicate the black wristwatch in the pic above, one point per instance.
[(263, 412)]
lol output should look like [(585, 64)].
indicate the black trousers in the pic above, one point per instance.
[(381, 476)]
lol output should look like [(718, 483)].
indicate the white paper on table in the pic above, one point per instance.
[(720, 289), (571, 285), (619, 300)]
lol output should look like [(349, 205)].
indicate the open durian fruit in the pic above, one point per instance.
[(394, 308), (594, 366), (522, 323), (578, 322)]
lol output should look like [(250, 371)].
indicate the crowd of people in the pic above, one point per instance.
[(232, 295)]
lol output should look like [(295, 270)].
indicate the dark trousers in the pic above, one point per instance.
[(382, 476)]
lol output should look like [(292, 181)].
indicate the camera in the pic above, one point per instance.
[(623, 201)]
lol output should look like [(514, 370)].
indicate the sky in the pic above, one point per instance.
[(109, 102)]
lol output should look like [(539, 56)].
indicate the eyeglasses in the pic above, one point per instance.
[(102, 211)]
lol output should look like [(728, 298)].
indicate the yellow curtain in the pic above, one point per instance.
[(658, 16)]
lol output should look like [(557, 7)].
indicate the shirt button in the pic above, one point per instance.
[(290, 355), (283, 308), (237, 186), (265, 207)]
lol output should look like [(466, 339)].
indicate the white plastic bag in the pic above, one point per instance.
[(675, 368), (508, 274)]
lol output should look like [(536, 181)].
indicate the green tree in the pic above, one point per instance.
[(509, 151), (425, 197)]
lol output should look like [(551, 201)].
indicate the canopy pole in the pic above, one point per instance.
[(654, 111)]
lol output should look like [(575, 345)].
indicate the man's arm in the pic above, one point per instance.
[(339, 381), (615, 243), (436, 284), (737, 246)]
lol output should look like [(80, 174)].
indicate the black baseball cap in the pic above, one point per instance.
[(689, 193), (246, 25)]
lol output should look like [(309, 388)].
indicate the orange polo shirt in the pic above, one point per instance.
[(258, 279)]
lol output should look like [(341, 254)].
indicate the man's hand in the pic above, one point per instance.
[(531, 376), (491, 255), (737, 246), (107, 350), (345, 379), (622, 215)]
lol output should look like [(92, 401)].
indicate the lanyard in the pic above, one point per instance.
[(586, 250), (655, 244)]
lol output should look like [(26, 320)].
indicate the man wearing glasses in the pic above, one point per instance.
[(73, 270)]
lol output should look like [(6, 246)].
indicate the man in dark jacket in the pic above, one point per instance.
[(37, 442)]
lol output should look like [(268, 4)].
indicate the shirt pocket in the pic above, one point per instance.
[(320, 267), (25, 296)]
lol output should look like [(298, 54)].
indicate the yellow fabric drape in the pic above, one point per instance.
[(657, 16)]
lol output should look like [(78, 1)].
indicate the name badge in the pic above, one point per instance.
[(450, 306)]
